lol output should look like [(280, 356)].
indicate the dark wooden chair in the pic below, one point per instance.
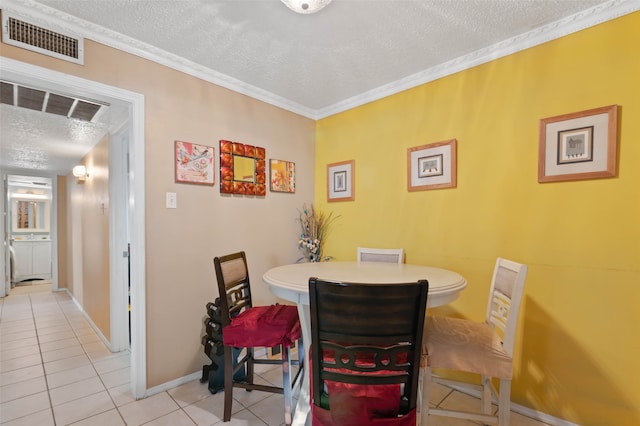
[(247, 326), (365, 351)]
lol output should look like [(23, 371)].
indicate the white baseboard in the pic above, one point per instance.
[(173, 383), (259, 353), (89, 320), (525, 411)]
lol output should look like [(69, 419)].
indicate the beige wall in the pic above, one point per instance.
[(181, 243), (91, 202), (83, 237)]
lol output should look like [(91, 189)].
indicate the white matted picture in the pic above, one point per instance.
[(432, 166), (580, 145), (340, 181), (193, 163)]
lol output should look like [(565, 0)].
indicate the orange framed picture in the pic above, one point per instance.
[(432, 166), (340, 181), (242, 169), (580, 145)]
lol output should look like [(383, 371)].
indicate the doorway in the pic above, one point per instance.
[(131, 223), (29, 230)]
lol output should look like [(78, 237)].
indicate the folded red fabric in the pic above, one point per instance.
[(263, 326), (354, 404), (322, 417)]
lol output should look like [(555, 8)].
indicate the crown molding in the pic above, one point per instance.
[(579, 21), (61, 21), (557, 29)]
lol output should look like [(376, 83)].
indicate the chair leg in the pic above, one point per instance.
[(419, 397), (426, 390), (228, 382), (504, 403), (485, 398), (300, 374), (301, 352), (286, 384), (250, 365)]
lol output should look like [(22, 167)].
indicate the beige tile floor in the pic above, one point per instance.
[(54, 370)]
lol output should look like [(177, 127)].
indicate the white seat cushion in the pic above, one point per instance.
[(463, 345)]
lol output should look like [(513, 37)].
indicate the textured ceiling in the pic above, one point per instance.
[(351, 52), (45, 143), (316, 61)]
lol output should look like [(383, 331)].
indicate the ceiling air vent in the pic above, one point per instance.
[(53, 103), (28, 36)]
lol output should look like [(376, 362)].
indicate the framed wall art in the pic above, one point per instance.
[(432, 166), (340, 184), (282, 176), (580, 145), (194, 163), (242, 169)]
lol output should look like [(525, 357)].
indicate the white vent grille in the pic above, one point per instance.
[(28, 36), (44, 101)]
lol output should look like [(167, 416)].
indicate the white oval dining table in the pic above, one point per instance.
[(291, 283)]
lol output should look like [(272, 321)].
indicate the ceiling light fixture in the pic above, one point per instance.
[(306, 6)]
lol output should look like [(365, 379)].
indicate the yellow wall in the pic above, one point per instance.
[(578, 345)]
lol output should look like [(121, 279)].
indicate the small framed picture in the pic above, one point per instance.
[(282, 176), (340, 184), (432, 166), (194, 163), (580, 145)]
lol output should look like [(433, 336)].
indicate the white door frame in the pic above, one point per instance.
[(4, 273), (28, 74), (119, 235), (5, 209)]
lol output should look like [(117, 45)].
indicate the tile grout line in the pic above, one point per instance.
[(44, 373), (91, 362), (35, 328)]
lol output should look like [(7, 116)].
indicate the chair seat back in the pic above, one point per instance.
[(366, 254), (365, 351)]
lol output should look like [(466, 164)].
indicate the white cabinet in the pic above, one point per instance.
[(32, 260)]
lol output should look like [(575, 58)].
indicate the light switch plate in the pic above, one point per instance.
[(172, 200)]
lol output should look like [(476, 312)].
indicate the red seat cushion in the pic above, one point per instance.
[(263, 326), (354, 404)]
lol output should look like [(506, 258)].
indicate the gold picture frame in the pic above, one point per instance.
[(432, 166), (579, 145), (282, 176), (340, 183)]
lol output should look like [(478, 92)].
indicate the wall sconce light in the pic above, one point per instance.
[(80, 172)]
